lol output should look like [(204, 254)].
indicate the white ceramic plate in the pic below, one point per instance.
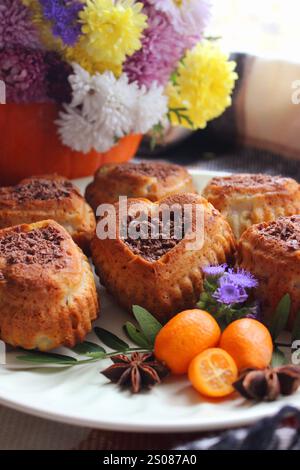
[(82, 396)]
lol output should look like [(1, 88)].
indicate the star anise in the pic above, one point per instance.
[(268, 384), (139, 371)]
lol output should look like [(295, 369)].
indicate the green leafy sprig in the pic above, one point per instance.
[(142, 335), (277, 325), (181, 115)]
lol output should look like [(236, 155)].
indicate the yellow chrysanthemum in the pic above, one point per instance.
[(79, 54), (202, 89), (111, 31)]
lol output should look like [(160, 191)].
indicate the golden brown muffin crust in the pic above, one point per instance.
[(136, 180), (271, 251), (248, 199)]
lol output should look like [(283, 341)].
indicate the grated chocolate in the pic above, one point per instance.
[(248, 181), (39, 246), (156, 237), (285, 229), (43, 190), (158, 170)]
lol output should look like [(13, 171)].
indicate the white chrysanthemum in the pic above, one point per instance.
[(151, 108), (105, 108), (78, 133), (81, 83), (118, 102)]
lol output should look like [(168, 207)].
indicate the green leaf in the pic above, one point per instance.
[(149, 325), (89, 349), (46, 358), (111, 340), (136, 336), (296, 329), (278, 358), (280, 319)]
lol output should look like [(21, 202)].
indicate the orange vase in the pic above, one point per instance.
[(30, 145)]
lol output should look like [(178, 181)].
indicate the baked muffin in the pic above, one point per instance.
[(47, 290), (162, 273), (271, 251), (152, 181), (251, 199), (44, 197)]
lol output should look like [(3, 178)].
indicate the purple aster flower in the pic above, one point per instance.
[(57, 77), (215, 271), (16, 27), (162, 48), (229, 293), (63, 14), (24, 72), (242, 278)]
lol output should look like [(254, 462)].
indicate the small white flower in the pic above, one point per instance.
[(75, 131), (105, 108), (152, 107), (81, 84), (81, 135)]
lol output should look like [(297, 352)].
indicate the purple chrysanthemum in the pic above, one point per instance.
[(63, 15), (23, 72), (229, 293), (16, 27), (242, 278), (162, 48), (215, 271), (57, 77)]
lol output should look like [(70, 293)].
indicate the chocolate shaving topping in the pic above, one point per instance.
[(285, 229), (39, 246), (154, 237), (41, 189), (158, 170), (248, 181)]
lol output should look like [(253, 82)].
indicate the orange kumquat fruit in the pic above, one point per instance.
[(213, 372), (249, 343), (183, 337)]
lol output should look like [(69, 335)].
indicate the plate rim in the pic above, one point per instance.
[(134, 427)]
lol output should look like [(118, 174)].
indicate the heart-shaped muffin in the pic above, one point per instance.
[(162, 272)]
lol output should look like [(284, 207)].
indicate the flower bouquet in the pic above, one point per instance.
[(92, 76)]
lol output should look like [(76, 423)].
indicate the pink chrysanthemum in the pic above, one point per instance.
[(16, 27), (162, 48), (189, 17), (24, 74)]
